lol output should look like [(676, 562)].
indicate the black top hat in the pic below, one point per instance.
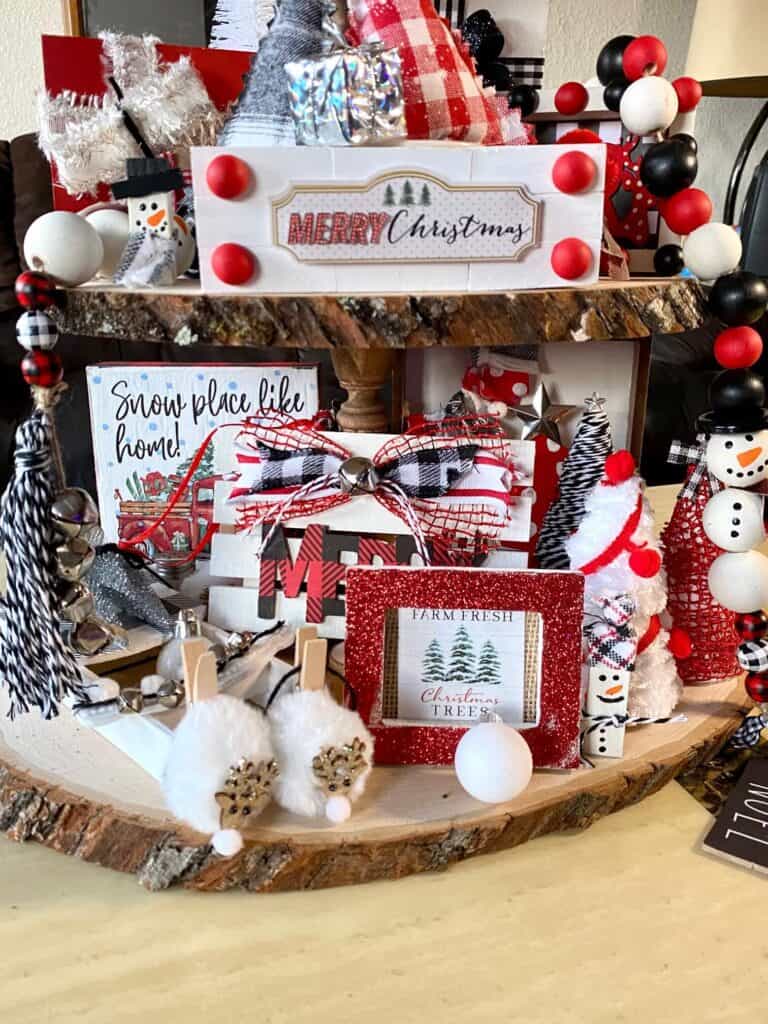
[(737, 398), (146, 175)]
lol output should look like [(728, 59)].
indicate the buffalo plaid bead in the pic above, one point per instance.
[(36, 330), (756, 685), (42, 369), (35, 291), (752, 625)]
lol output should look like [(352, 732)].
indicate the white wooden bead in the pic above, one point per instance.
[(35, 329), (113, 230), (739, 581), (733, 519), (64, 246), (712, 250), (648, 105)]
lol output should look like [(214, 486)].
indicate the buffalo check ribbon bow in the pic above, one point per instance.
[(693, 455), (438, 486), (610, 638)]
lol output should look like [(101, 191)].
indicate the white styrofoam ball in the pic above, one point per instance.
[(338, 809), (493, 762), (739, 460), (739, 581), (648, 105), (65, 246), (113, 229), (185, 245), (733, 519), (227, 842), (712, 250)]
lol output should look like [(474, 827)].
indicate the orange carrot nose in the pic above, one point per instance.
[(613, 690), (155, 219), (748, 457)]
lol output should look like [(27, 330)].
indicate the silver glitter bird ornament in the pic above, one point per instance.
[(122, 594)]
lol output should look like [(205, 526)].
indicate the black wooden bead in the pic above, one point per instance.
[(668, 167), (689, 140), (610, 64), (525, 97), (739, 298), (496, 74), (737, 391), (613, 92), (668, 260)]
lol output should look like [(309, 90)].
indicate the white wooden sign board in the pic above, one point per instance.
[(235, 555), (411, 218)]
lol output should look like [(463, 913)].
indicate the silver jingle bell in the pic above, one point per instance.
[(358, 475), (72, 509), (90, 637), (73, 559), (132, 699), (170, 694), (76, 604)]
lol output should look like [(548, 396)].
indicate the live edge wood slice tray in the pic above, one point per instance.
[(64, 786)]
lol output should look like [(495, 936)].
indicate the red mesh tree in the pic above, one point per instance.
[(689, 554)]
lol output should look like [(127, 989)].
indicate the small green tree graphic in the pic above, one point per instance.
[(389, 195), (426, 198), (489, 665), (461, 669), (433, 665), (407, 197)]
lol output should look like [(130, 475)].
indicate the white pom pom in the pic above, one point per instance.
[(648, 105), (739, 581), (493, 762), (150, 684), (337, 809), (227, 842), (712, 250)]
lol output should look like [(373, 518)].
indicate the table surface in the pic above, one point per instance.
[(626, 922)]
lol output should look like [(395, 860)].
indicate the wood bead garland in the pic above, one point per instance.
[(739, 298), (610, 60), (668, 260), (571, 98), (689, 92), (42, 369), (752, 625), (756, 686), (645, 55), (738, 347), (668, 167), (686, 211), (35, 291), (525, 98)]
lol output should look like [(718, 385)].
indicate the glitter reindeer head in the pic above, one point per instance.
[(337, 768), (246, 792)]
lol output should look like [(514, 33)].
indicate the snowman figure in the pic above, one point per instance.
[(611, 650), (733, 519), (151, 253)]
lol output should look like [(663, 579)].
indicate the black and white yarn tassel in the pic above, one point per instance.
[(36, 666)]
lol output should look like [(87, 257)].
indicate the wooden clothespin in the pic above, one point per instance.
[(200, 677), (311, 654), (303, 635)]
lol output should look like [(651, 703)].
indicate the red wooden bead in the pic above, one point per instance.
[(689, 93), (228, 176), (571, 98), (34, 290), (738, 347), (571, 258), (752, 625), (756, 686), (42, 368), (578, 135), (232, 263), (686, 210), (645, 55), (573, 172)]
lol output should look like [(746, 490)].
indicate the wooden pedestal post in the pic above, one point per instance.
[(361, 372)]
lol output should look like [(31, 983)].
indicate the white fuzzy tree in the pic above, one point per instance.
[(616, 549)]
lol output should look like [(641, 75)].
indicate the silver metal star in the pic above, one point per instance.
[(542, 416)]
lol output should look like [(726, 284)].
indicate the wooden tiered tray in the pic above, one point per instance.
[(65, 786)]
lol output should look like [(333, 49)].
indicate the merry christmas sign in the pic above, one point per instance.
[(437, 217), (149, 421)]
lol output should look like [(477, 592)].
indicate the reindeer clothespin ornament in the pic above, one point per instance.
[(324, 751)]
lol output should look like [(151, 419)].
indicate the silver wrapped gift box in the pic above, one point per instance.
[(351, 97)]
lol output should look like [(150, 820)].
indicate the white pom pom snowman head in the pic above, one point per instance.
[(740, 460), (733, 519), (737, 425)]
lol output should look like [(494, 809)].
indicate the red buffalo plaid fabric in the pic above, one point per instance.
[(444, 97)]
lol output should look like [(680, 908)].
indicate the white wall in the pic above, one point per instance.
[(22, 22)]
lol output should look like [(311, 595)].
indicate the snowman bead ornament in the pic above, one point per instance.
[(733, 520)]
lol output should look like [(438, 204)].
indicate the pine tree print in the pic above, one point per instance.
[(406, 197), (389, 196), (426, 198), (489, 665), (461, 669), (433, 665)]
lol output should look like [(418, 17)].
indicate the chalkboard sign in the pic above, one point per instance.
[(740, 833), (182, 22)]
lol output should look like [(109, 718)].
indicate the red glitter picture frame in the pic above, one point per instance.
[(557, 597)]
